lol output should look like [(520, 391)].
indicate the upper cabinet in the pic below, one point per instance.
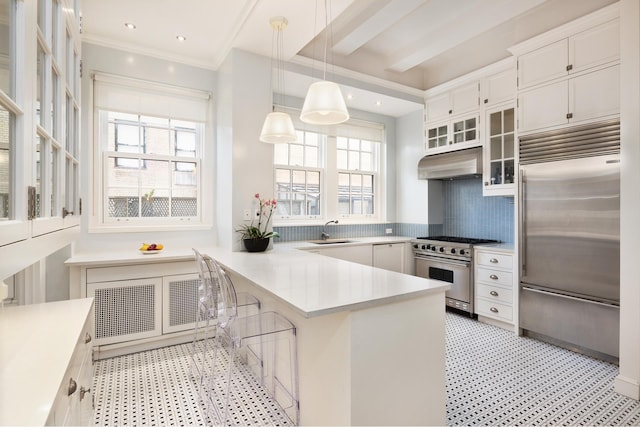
[(498, 87), (499, 152), (587, 49), (571, 74), (461, 100)]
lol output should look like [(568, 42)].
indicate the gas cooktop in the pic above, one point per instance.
[(454, 239)]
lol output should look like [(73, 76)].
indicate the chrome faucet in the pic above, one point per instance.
[(326, 235)]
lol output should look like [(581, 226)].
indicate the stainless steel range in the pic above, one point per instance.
[(449, 259)]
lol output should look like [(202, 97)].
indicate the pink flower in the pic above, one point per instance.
[(257, 195), (267, 203), (273, 202)]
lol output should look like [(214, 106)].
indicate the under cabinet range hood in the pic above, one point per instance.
[(454, 164)]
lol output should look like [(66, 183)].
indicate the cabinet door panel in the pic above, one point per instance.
[(500, 87), (389, 256), (596, 46), (548, 62), (437, 107), (543, 107), (595, 95), (465, 98)]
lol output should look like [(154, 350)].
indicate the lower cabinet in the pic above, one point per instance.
[(494, 286), (142, 303), (390, 256)]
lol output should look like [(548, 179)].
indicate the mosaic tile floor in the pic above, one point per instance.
[(497, 378), (493, 378)]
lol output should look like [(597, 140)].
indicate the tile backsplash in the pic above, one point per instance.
[(467, 213)]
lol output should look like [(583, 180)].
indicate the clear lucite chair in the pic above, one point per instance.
[(206, 314), (245, 348)]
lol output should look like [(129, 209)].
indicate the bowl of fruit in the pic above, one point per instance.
[(150, 248)]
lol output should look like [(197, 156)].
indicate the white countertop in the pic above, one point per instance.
[(29, 382), (309, 283), (499, 247)]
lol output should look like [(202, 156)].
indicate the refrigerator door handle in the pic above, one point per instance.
[(540, 291), (523, 223)]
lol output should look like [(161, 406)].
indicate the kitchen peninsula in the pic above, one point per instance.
[(371, 345)]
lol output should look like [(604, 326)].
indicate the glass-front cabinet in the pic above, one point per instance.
[(500, 163), (454, 134)]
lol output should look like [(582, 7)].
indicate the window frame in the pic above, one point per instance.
[(329, 172)]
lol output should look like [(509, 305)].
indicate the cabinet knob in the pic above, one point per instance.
[(450, 111), (494, 293), (493, 261), (84, 391), (569, 115), (569, 67), (493, 309), (73, 386), (494, 277), (486, 101)]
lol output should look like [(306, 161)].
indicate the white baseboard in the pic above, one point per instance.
[(627, 387)]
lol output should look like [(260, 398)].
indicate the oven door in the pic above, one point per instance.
[(456, 272)]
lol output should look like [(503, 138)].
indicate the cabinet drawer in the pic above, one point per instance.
[(495, 310), (495, 260), (494, 293), (494, 276)]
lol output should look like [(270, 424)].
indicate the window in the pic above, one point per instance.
[(151, 138), (298, 175), (357, 160), (330, 172)]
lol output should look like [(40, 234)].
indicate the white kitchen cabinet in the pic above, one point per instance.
[(586, 97), (571, 55), (457, 101), (360, 254), (495, 286), (498, 87), (455, 134), (390, 256), (500, 152), (46, 348)]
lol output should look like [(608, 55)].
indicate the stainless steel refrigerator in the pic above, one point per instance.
[(570, 238)]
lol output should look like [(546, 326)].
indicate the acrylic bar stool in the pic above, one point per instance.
[(261, 347), (206, 313)]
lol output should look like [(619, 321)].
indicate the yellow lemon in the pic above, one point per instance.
[(159, 246), (144, 246)]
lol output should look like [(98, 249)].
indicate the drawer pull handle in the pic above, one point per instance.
[(73, 386), (495, 310), (87, 338), (493, 261), (494, 277), (494, 293)]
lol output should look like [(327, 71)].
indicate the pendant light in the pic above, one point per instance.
[(278, 127), (324, 104)]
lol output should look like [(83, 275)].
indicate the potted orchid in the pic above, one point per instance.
[(255, 237)]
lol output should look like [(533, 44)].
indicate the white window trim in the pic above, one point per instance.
[(191, 97), (329, 175)]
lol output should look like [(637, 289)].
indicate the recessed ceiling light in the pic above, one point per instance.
[(378, 103), (181, 38), (130, 26), (349, 96)]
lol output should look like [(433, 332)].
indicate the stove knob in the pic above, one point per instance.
[(423, 247), (462, 252), (428, 247), (433, 248), (453, 250), (415, 245), (441, 248)]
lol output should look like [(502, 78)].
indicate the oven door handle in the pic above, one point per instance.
[(466, 264)]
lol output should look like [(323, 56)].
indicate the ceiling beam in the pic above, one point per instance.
[(375, 25), (469, 23)]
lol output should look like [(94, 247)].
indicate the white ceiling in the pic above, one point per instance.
[(399, 48)]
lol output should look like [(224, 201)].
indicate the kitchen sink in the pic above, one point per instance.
[(330, 241)]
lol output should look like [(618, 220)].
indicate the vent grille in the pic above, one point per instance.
[(580, 141), (183, 301), (124, 310)]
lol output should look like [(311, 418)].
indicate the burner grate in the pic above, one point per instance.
[(455, 239)]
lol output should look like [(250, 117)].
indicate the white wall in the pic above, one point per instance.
[(628, 380), (412, 193), (113, 61)]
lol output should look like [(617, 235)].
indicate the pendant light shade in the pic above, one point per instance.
[(278, 128), (324, 104)]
